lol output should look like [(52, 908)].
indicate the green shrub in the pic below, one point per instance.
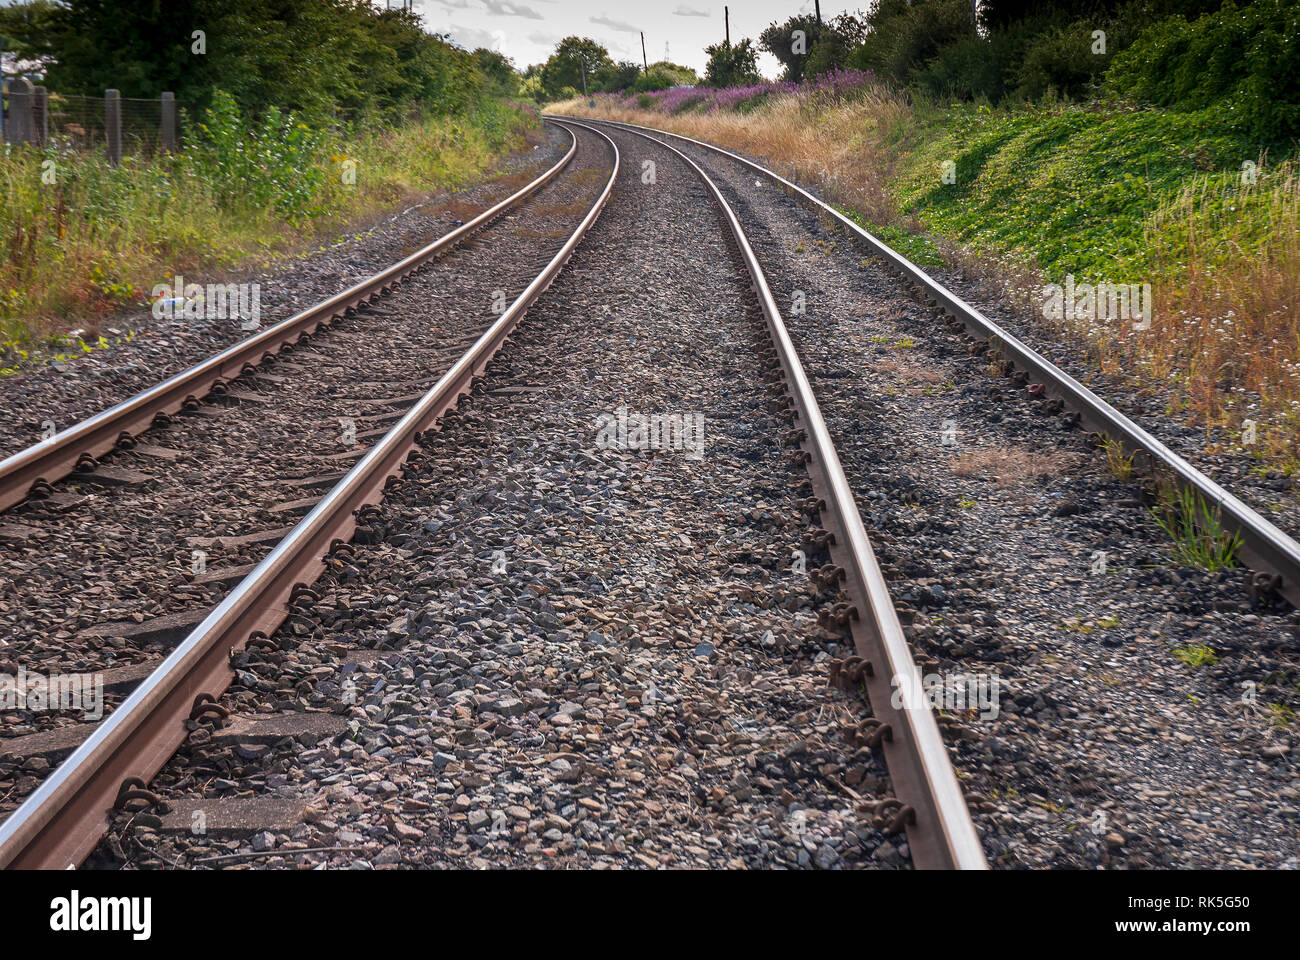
[(905, 40), (271, 163), (1240, 61), (1061, 62)]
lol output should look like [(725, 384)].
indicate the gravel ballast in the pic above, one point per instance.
[(565, 654), (1016, 554)]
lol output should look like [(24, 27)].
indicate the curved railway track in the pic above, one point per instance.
[(62, 821), (1265, 547)]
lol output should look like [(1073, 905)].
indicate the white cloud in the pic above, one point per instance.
[(471, 38), (619, 25), (504, 8)]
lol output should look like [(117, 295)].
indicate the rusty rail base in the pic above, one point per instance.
[(1264, 547), (55, 458), (933, 808), (62, 821)]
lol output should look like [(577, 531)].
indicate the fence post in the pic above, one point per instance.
[(113, 125), (20, 110), (41, 117), (169, 121)]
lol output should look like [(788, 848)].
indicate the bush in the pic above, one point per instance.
[(904, 40), (971, 68), (1062, 62), (268, 164), (1239, 61)]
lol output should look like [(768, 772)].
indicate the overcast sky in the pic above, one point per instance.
[(527, 30)]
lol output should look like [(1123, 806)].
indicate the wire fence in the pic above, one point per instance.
[(118, 125)]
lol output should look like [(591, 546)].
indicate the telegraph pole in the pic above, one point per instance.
[(583, 62), (726, 20), (817, 5), (644, 63)]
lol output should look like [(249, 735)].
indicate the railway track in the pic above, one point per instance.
[(62, 821), (106, 580), (1265, 547), (332, 515), (76, 449), (1012, 552)]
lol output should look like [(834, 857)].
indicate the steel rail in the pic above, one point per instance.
[(60, 455), (939, 828), (1264, 545), (62, 820)]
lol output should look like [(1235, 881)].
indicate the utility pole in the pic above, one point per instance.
[(726, 20), (817, 5), (583, 61), (643, 56)]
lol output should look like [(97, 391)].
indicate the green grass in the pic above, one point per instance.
[(96, 240), (918, 248), (1196, 530), (1066, 188), (1196, 655)]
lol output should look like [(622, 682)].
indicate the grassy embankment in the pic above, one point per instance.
[(1104, 193), (96, 240)]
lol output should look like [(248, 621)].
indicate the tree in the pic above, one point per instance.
[(617, 76), (566, 66), (731, 65), (499, 71), (328, 59), (663, 75), (26, 28), (790, 43), (807, 47)]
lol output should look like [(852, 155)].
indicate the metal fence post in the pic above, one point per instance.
[(113, 125), (41, 117), (168, 121)]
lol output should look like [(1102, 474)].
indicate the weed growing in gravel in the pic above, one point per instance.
[(1197, 530), (1119, 465), (1281, 714), (1196, 655), (1078, 626)]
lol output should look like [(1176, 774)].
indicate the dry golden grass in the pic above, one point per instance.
[(1009, 466), (837, 146), (916, 378)]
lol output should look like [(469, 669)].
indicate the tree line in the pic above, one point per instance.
[(344, 62), (1235, 57)]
